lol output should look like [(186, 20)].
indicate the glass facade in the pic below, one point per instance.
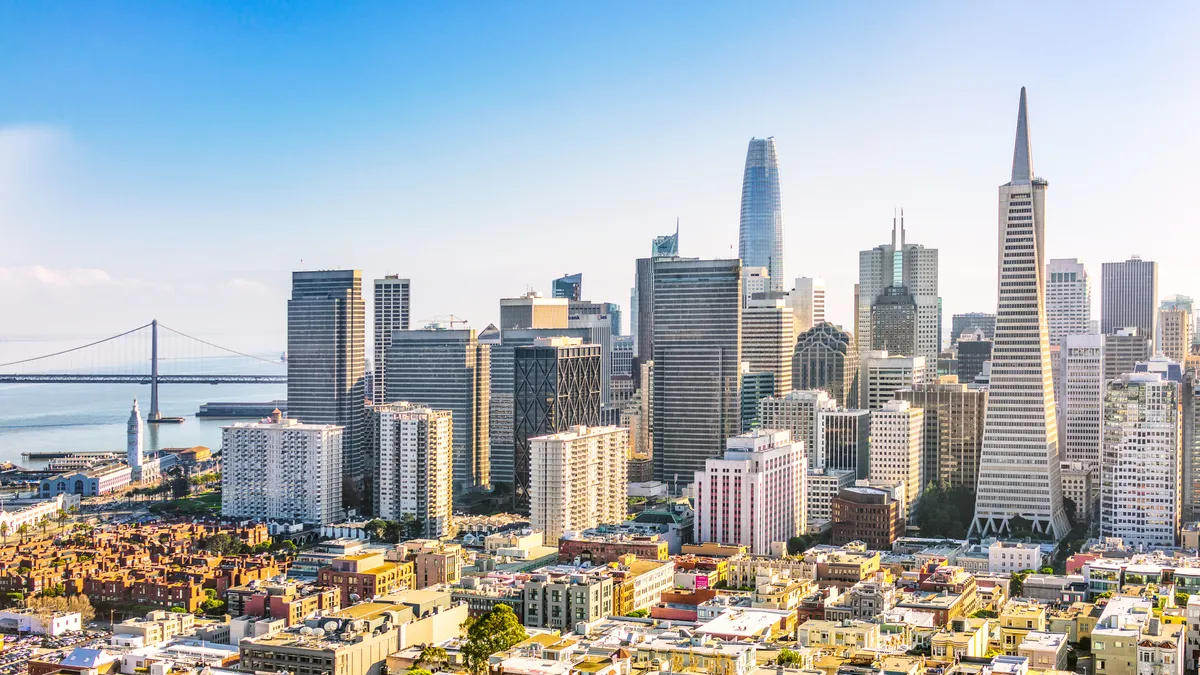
[(760, 240)]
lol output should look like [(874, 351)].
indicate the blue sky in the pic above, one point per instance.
[(179, 160)]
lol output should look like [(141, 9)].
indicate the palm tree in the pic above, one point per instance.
[(4, 532), (62, 517), (23, 530)]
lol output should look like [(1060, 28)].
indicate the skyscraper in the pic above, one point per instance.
[(807, 300), (533, 311), (884, 374), (280, 469), (327, 365), (1019, 465), (391, 314), (1129, 296), (845, 438), (569, 286), (898, 447), (1141, 473), (414, 455), (755, 494), (827, 358), (960, 323), (578, 479), (894, 322), (1175, 328), (1068, 299), (642, 296), (953, 431), (556, 385), (972, 354), (448, 370), (1124, 348), (760, 237), (769, 340), (1083, 384), (755, 386), (900, 265), (798, 411), (697, 358)]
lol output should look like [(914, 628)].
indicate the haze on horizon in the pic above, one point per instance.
[(178, 162)]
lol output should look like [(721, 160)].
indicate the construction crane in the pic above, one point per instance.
[(444, 321)]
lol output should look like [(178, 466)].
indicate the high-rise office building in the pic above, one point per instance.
[(756, 282), (1190, 395), (894, 322), (961, 323), (577, 479), (827, 358), (697, 358), (641, 302), (1175, 328), (845, 438), (1020, 463), (391, 310), (884, 374), (900, 264), (448, 370), (414, 465), (755, 494), (1068, 299), (500, 427), (622, 355), (971, 356), (953, 431), (556, 385), (807, 300), (823, 487), (1124, 348), (760, 237), (327, 365), (798, 411), (1081, 410), (1141, 470), (1129, 296), (594, 318), (533, 311), (282, 470), (755, 386), (769, 340), (569, 286), (898, 446)]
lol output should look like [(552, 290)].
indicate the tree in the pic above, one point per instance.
[(4, 532), (23, 530), (495, 631), (418, 671), (178, 610), (221, 543), (1072, 511), (432, 656), (638, 614), (1046, 570), (1181, 599), (411, 527), (788, 657), (62, 517), (945, 512), (1016, 583), (180, 488)]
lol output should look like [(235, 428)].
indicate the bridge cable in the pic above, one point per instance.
[(74, 349), (231, 351)]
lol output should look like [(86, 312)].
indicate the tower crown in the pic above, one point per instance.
[(1022, 168)]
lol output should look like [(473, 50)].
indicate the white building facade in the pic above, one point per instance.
[(897, 447), (414, 468), (1082, 383), (1068, 299), (1141, 470), (281, 469), (823, 486), (578, 479), (755, 494), (798, 412), (807, 300), (883, 375)]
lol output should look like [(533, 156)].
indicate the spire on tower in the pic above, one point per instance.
[(1022, 168)]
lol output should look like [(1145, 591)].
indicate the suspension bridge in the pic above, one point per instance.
[(135, 357)]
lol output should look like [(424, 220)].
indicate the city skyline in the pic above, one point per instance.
[(87, 174)]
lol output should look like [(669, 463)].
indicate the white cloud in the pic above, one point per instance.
[(33, 276)]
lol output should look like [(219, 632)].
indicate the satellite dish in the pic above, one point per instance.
[(330, 626), (318, 633), (354, 597), (306, 631)]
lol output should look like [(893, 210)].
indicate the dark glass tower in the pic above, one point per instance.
[(556, 385), (327, 365), (760, 239)]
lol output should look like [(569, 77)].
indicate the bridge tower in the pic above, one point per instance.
[(154, 415)]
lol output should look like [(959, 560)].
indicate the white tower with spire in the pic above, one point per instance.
[(133, 440), (1019, 464)]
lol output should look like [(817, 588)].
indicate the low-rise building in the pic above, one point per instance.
[(961, 638), (32, 622), (600, 548), (854, 634), (1045, 651), (561, 596), (1005, 557), (98, 480), (1018, 619), (366, 575), (355, 644), (867, 514), (864, 600), (1116, 635), (291, 603), (157, 627)]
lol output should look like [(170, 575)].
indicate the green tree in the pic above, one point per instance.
[(638, 614), (1181, 599), (495, 631), (788, 657), (4, 532), (945, 512), (433, 656), (178, 610), (23, 530), (1016, 583), (221, 543), (418, 671), (1046, 570)]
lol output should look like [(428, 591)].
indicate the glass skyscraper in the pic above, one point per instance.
[(760, 239)]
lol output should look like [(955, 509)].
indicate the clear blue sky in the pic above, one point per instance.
[(179, 159)]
